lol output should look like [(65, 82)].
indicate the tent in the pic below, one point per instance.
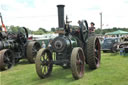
[(118, 32)]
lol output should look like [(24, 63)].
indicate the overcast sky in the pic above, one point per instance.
[(43, 13)]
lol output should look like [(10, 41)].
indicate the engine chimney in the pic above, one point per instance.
[(61, 15)]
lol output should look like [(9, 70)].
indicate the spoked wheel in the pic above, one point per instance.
[(44, 63), (114, 48), (6, 59), (77, 63), (93, 52), (32, 49)]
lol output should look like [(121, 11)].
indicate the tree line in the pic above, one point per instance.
[(103, 31), (98, 31), (41, 30), (15, 29)]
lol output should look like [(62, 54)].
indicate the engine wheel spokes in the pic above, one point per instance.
[(6, 59), (32, 49), (35, 49), (77, 63), (44, 63)]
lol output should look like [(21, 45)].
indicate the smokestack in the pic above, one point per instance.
[(61, 15)]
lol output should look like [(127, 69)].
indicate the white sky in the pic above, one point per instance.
[(43, 13)]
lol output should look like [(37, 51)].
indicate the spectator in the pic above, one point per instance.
[(92, 28), (43, 44), (50, 42)]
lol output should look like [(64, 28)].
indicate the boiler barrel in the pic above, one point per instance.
[(7, 44)]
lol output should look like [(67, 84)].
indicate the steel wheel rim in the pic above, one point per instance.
[(35, 49), (77, 63), (97, 52), (80, 63), (7, 59), (44, 63)]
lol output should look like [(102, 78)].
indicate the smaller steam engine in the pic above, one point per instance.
[(16, 46)]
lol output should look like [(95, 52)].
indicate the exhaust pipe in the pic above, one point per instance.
[(61, 15)]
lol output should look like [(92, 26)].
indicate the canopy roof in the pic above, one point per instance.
[(116, 32)]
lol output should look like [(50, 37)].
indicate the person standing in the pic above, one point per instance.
[(92, 28), (43, 45), (50, 42)]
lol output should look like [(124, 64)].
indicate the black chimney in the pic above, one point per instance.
[(61, 15)]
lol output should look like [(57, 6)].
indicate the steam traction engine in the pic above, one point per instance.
[(16, 46), (72, 48)]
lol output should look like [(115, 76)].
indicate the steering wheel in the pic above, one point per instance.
[(83, 30)]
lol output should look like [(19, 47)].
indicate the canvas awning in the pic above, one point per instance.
[(116, 32)]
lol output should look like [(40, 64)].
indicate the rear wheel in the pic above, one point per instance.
[(93, 52), (44, 63), (32, 49), (77, 63), (6, 59)]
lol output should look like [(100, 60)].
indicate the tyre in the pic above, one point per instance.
[(93, 52), (43, 63), (114, 48), (77, 63), (32, 49), (6, 59)]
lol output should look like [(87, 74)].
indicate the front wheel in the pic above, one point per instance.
[(77, 63), (44, 63), (6, 59)]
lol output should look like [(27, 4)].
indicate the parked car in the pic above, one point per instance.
[(110, 45)]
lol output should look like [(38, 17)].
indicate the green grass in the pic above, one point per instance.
[(113, 71)]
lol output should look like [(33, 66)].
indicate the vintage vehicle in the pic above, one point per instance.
[(15, 46), (124, 46), (71, 49), (110, 45)]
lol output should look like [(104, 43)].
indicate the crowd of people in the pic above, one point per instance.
[(44, 44)]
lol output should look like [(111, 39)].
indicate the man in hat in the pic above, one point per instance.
[(92, 28)]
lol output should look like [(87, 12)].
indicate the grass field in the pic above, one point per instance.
[(113, 71)]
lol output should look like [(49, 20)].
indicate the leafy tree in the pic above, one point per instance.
[(43, 30), (103, 31), (40, 31)]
